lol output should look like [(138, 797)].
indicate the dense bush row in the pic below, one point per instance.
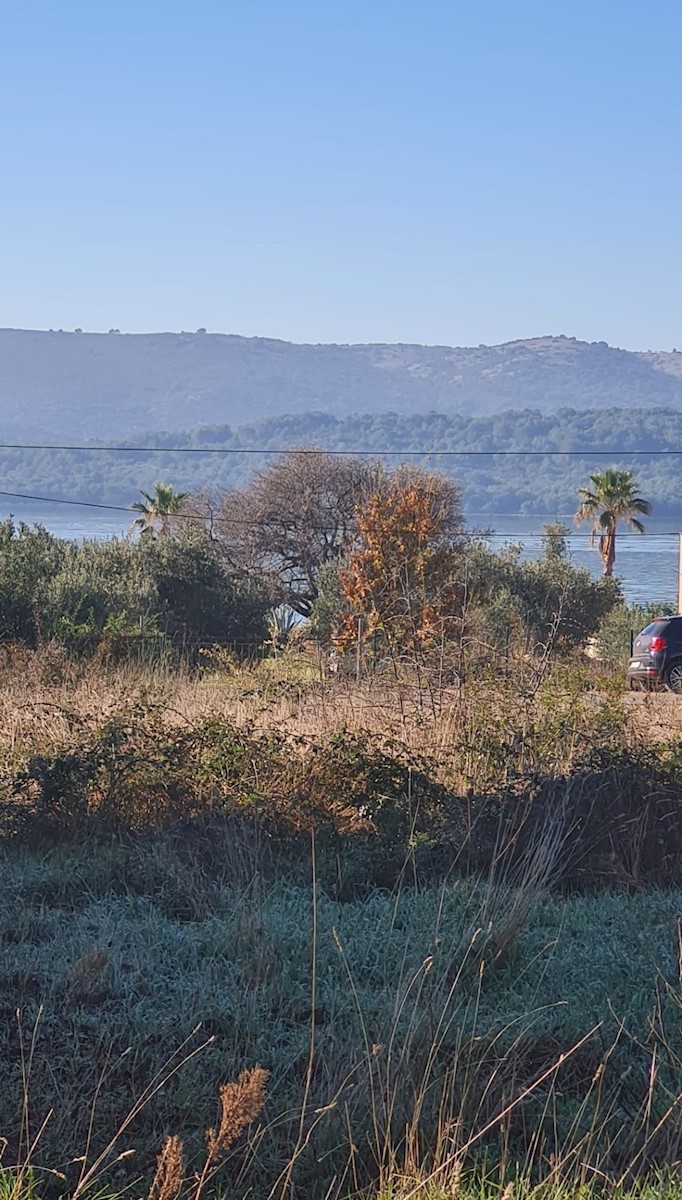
[(120, 596), (122, 599)]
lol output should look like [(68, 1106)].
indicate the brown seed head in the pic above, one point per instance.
[(240, 1104)]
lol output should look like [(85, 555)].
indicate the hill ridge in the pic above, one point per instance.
[(112, 384)]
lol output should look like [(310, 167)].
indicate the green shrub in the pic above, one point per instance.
[(119, 597), (543, 604)]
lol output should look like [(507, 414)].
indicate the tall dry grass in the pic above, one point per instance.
[(45, 696), (412, 1037)]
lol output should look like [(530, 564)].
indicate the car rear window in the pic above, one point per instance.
[(654, 628)]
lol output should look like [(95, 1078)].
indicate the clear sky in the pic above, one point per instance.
[(449, 171)]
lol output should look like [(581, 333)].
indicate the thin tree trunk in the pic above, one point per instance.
[(607, 550)]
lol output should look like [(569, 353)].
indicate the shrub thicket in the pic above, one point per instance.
[(506, 606), (120, 594), (512, 772)]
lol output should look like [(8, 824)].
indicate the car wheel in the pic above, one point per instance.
[(674, 677)]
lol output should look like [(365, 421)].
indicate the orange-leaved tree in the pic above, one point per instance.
[(400, 581)]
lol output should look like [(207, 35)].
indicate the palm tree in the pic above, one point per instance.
[(158, 510), (612, 498)]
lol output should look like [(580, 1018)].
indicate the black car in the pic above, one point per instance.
[(656, 659)]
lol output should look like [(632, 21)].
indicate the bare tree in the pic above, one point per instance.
[(294, 516)]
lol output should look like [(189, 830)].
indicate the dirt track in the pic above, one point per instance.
[(657, 714)]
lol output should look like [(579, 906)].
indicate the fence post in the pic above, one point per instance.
[(358, 653)]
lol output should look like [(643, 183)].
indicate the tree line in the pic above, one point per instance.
[(489, 484), (373, 560)]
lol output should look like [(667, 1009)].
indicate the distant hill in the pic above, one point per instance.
[(67, 385)]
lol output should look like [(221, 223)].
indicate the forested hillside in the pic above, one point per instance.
[(492, 483), (74, 385)]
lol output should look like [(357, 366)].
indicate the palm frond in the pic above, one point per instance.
[(612, 498)]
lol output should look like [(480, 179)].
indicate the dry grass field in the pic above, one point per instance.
[(272, 933)]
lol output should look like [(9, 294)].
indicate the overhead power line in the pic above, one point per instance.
[(58, 500), (216, 519), (362, 453)]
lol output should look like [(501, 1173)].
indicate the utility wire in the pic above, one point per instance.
[(484, 516), (59, 500), (216, 520), (428, 453)]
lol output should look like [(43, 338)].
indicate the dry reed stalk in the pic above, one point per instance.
[(240, 1104), (170, 1171)]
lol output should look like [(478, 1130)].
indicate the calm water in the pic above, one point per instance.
[(647, 566)]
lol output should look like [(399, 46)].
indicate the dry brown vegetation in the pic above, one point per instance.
[(44, 695), (437, 1004)]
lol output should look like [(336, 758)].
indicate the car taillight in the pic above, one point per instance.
[(657, 644)]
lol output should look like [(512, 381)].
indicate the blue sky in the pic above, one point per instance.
[(366, 170)]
